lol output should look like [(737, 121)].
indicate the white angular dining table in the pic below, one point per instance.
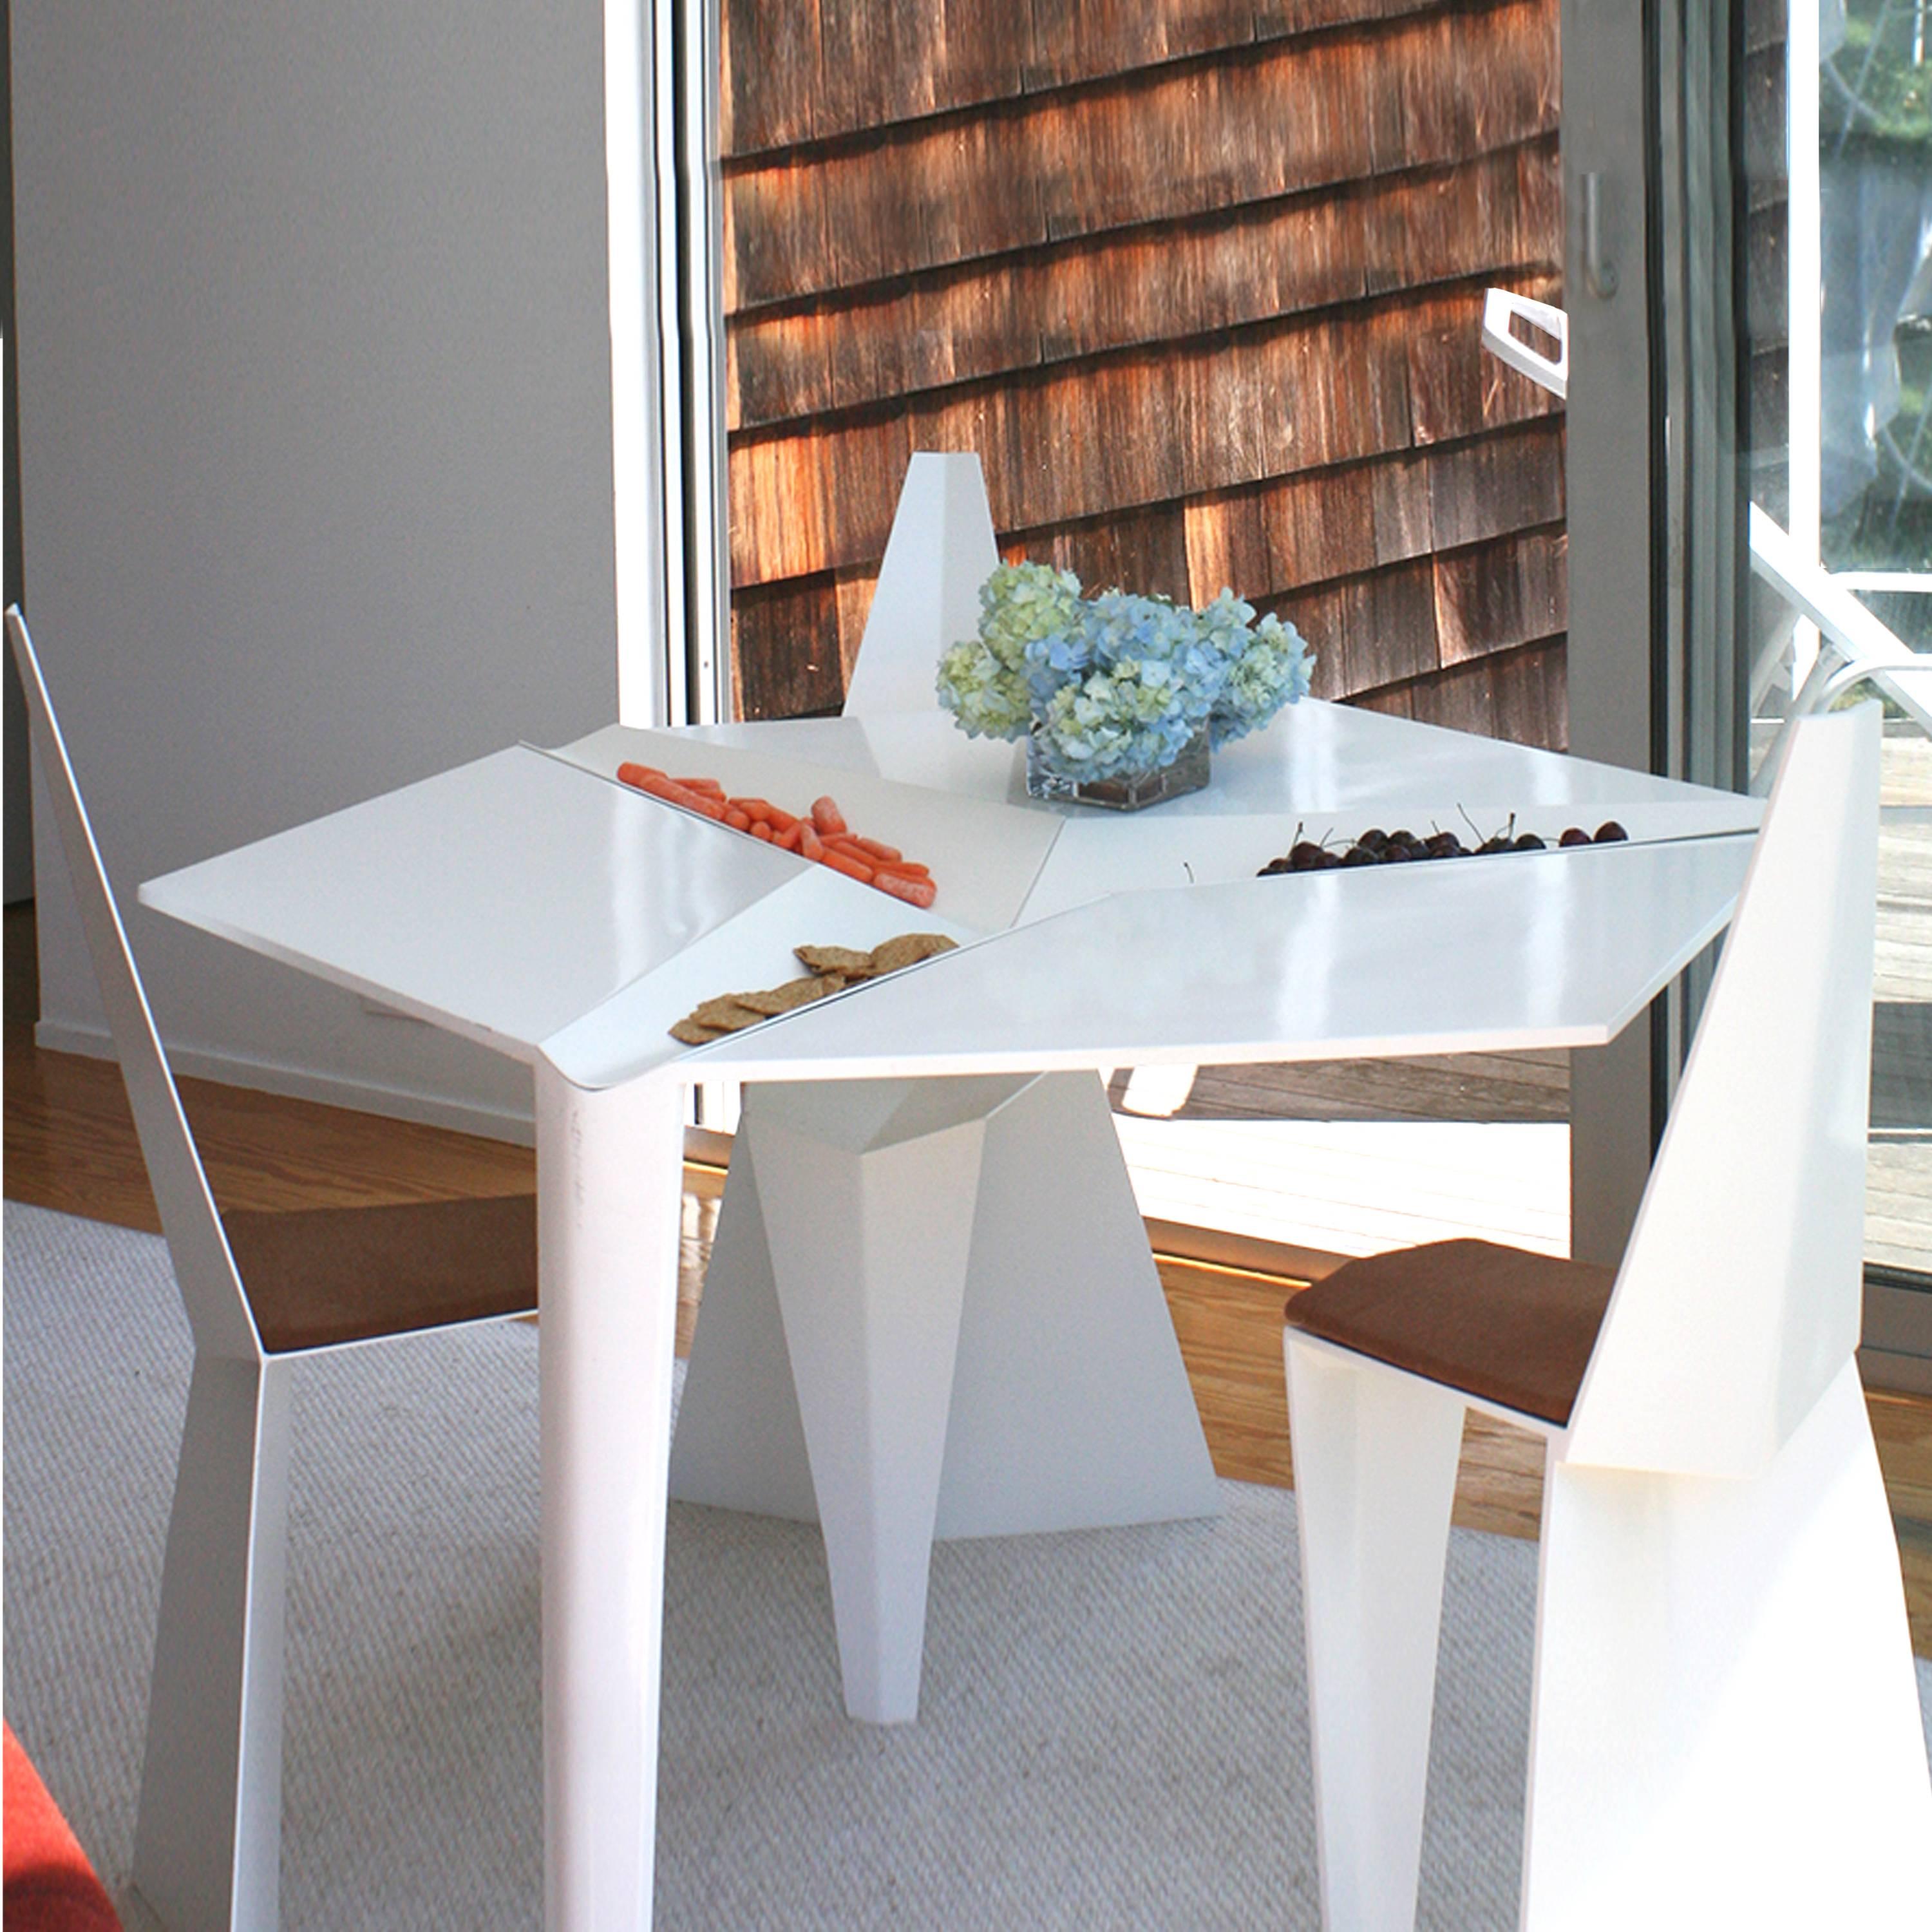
[(530, 902)]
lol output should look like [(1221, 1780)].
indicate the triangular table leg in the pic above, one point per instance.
[(932, 1312)]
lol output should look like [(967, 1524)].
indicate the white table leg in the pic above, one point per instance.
[(608, 1176), (1031, 1381), (868, 1189)]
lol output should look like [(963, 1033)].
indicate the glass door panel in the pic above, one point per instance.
[(1838, 103)]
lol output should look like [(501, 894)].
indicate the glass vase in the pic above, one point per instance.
[(1127, 791)]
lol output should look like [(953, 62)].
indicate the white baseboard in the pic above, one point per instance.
[(301, 1084)]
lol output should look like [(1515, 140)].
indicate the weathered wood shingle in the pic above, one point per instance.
[(1200, 282)]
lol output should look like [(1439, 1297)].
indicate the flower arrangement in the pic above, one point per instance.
[(1117, 683)]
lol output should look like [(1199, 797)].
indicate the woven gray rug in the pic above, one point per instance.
[(1111, 1732)]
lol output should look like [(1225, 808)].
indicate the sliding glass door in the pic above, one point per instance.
[(1838, 339)]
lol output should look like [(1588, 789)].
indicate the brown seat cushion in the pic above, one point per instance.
[(322, 1275), (1512, 1327)]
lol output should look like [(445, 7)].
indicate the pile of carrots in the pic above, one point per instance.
[(820, 834)]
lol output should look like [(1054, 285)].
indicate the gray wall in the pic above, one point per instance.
[(315, 430)]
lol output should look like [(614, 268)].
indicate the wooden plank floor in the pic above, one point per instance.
[(70, 1144)]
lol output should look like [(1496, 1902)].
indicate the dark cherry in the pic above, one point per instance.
[(1395, 853), (1305, 856), (1497, 844), (1445, 845), (1528, 842), (1274, 868), (1358, 855), (1373, 840), (1609, 831)]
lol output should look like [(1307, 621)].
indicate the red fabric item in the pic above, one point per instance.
[(49, 1886)]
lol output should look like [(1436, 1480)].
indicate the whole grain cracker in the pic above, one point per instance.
[(841, 960), (792, 993), (695, 1032), (908, 949), (728, 1011)]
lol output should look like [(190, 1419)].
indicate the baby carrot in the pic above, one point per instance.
[(843, 861), (826, 818), (736, 819), (674, 794), (760, 830), (920, 892), (631, 773), (763, 808), (810, 845), (910, 869), (873, 850), (786, 840)]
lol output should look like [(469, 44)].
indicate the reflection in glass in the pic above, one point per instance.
[(1840, 328)]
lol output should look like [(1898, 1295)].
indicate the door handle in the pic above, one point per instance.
[(1600, 274)]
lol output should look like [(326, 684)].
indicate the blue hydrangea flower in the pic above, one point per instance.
[(1118, 682)]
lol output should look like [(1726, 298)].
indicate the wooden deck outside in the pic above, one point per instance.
[(1898, 1201)]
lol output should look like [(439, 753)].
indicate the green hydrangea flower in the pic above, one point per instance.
[(983, 682), (1116, 683)]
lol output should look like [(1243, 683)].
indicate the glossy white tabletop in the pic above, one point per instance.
[(508, 898), (1549, 949), (1318, 769), (531, 901)]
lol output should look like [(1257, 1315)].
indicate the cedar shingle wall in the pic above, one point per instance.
[(1200, 282)]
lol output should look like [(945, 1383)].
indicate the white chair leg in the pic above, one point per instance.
[(207, 1845), (1375, 1455), (1726, 1729)]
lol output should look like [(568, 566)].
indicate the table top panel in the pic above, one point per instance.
[(1557, 948), (503, 899), (530, 901), (1320, 769), (629, 1031), (1103, 852), (985, 853)]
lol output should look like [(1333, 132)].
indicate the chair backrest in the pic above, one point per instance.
[(211, 1287), (941, 549), (1739, 1296)]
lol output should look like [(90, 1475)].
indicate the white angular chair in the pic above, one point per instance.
[(259, 1290), (1725, 1729), (932, 1310)]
